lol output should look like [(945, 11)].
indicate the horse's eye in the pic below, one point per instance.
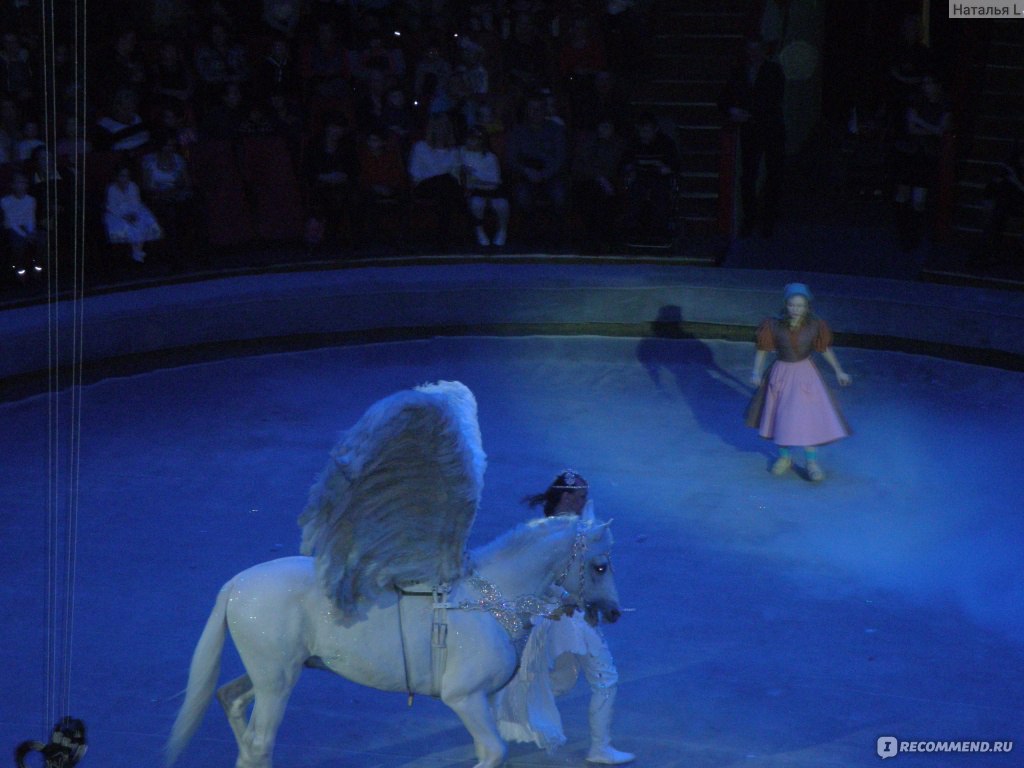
[(600, 568)]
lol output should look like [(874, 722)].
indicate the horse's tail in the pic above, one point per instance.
[(202, 678)]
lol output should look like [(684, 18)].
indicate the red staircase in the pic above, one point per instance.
[(992, 119), (693, 49)]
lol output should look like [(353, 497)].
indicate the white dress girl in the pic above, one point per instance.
[(482, 178), (127, 218)]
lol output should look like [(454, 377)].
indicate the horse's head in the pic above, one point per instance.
[(588, 576)]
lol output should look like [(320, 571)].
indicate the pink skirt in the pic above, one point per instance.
[(795, 407)]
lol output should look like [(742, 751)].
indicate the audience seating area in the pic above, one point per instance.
[(246, 95)]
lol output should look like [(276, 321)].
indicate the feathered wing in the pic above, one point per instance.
[(398, 496)]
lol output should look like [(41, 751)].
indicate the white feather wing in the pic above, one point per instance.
[(398, 497)]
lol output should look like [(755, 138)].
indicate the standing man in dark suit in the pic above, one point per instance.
[(753, 102)]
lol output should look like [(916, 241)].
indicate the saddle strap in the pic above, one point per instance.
[(439, 637)]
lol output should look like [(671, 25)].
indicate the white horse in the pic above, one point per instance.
[(281, 619)]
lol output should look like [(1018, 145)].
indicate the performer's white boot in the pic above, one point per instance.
[(602, 701)]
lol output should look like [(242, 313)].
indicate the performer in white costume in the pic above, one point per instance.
[(557, 648)]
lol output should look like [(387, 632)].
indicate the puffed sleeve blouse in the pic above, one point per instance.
[(793, 345)]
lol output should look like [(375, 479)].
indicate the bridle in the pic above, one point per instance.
[(577, 554)]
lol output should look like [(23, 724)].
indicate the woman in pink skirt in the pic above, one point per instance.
[(793, 406)]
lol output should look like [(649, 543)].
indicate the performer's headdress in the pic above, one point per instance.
[(569, 480), (796, 289)]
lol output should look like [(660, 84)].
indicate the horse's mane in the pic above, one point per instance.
[(516, 540)]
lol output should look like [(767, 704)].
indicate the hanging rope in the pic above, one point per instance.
[(64, 433)]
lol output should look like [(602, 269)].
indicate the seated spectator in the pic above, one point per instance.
[(1004, 197), (625, 27), (19, 210), (481, 175), (526, 54), (371, 101), (917, 158), (381, 170), (278, 71), (16, 77), (430, 85), (331, 171), (167, 187), (124, 68), (123, 128), (72, 142), (171, 80), (258, 120), (325, 65), (229, 117), (219, 62), (377, 56), (54, 191), (433, 169), (397, 118), (582, 53), (651, 164), (482, 30), (581, 57), (126, 218), (488, 120), (286, 120), (30, 140), (474, 71), (597, 174), (173, 119), (282, 16), (606, 95), (536, 156), (10, 128)]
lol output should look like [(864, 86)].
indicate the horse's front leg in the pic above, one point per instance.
[(474, 709)]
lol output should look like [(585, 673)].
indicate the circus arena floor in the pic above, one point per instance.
[(773, 621)]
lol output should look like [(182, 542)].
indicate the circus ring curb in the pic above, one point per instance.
[(144, 328)]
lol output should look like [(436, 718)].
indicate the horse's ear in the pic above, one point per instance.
[(600, 531), (587, 515)]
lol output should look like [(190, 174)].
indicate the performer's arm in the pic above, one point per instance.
[(755, 375), (842, 376)]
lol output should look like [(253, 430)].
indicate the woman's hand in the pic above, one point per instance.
[(755, 380), (844, 378)]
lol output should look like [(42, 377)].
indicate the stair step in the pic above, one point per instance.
[(1008, 53), (706, 161), (999, 102), (670, 8), (699, 137), (969, 216), (706, 214), (684, 18), (1006, 30), (680, 90), (698, 182), (982, 171), (999, 124), (688, 65), (696, 113), (669, 44), (1007, 78), (991, 147)]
